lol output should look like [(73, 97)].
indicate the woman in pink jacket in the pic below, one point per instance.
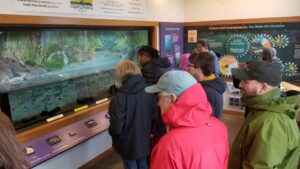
[(196, 139), (184, 61)]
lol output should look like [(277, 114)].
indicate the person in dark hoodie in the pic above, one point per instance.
[(152, 65), (202, 68), (131, 110)]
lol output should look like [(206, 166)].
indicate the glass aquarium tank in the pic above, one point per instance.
[(44, 72)]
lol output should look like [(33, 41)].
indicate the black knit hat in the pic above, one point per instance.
[(262, 71)]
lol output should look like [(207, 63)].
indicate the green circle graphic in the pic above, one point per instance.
[(237, 45)]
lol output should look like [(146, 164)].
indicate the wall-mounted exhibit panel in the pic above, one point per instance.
[(171, 42), (240, 42)]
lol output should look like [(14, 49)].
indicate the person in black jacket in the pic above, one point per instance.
[(202, 68), (152, 65), (131, 111)]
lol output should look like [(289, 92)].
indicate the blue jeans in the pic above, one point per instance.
[(140, 163)]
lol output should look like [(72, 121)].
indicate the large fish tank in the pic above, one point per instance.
[(44, 72)]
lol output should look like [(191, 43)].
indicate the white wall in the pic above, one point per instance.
[(165, 10), (195, 10), (156, 10), (207, 10)]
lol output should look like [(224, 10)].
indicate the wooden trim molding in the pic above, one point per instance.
[(43, 129), (154, 39), (68, 21), (245, 21)]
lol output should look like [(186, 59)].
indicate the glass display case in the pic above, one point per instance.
[(48, 71)]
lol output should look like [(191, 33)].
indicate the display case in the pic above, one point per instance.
[(55, 75), (49, 71)]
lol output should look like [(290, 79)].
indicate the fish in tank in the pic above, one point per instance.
[(45, 71)]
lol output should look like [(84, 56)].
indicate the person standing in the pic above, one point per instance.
[(131, 110), (184, 61), (202, 68), (11, 155), (195, 139), (269, 137), (152, 65), (204, 46), (268, 54)]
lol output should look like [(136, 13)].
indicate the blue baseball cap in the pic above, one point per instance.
[(174, 81)]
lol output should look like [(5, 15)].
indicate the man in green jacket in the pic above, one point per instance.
[(269, 138)]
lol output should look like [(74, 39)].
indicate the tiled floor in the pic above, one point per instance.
[(113, 161)]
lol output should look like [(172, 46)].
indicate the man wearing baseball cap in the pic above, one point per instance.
[(195, 139), (269, 138)]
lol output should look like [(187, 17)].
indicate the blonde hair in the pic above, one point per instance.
[(125, 70)]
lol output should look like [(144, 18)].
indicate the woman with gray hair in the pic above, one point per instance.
[(131, 110)]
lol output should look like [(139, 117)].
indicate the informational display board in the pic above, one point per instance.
[(244, 42), (171, 42), (105, 8)]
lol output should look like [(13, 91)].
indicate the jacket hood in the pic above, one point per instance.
[(272, 102), (190, 110), (218, 84), (133, 85), (161, 62)]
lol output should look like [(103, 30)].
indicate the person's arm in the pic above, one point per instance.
[(268, 147), (117, 112)]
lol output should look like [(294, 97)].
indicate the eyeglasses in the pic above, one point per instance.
[(159, 97)]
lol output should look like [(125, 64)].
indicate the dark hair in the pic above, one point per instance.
[(148, 51), (268, 54), (205, 61), (11, 155), (204, 43)]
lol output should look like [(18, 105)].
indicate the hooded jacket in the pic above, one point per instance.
[(216, 62), (196, 140), (214, 90), (154, 69), (131, 111), (269, 137)]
